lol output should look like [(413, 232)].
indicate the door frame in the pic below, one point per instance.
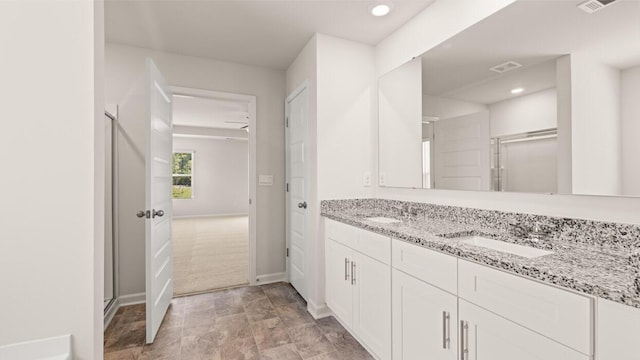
[(251, 99), (302, 87)]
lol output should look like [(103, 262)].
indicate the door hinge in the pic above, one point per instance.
[(249, 201), (287, 187), (287, 252), (286, 121)]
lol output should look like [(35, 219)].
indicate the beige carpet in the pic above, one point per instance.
[(210, 253)]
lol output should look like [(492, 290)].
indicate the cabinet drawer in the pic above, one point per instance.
[(374, 245), (560, 315), (488, 336), (437, 269), (342, 233)]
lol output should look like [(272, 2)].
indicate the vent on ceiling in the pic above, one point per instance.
[(504, 67), (591, 6)]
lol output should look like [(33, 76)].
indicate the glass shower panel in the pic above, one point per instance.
[(108, 215), (529, 165)]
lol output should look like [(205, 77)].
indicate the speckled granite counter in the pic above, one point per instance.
[(595, 258)]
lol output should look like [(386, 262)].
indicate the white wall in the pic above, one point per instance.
[(346, 101), (220, 177), (440, 21), (445, 108), (400, 126), (341, 84), (347, 94), (595, 127), (630, 130), (531, 112), (437, 23), (123, 66), (52, 141)]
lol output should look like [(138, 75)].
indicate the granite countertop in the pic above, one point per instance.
[(611, 273)]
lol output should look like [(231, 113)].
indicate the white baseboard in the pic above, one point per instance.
[(132, 299), (271, 278), (124, 300), (318, 311), (208, 215), (58, 347)]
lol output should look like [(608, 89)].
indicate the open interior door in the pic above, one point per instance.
[(158, 202)]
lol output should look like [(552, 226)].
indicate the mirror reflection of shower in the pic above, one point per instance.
[(525, 162)]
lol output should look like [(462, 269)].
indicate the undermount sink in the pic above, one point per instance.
[(384, 220), (502, 246)]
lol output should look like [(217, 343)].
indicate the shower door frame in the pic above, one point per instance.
[(114, 209)]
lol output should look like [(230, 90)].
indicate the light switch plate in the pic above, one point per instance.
[(265, 180), (366, 178)]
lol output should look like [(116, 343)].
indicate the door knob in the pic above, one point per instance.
[(302, 205), (141, 213), (157, 213)]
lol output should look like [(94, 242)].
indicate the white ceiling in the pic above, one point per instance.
[(209, 113), (532, 79), (531, 32), (267, 33)]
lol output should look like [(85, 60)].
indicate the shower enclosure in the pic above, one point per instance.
[(526, 162), (109, 213)]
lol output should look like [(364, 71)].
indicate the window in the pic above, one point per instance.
[(426, 164), (183, 175)]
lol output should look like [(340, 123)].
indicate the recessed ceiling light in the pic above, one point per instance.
[(380, 10), (517, 90)]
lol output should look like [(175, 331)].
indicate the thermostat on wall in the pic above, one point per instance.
[(265, 180)]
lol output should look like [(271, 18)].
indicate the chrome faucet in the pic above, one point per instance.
[(537, 231), (406, 211)]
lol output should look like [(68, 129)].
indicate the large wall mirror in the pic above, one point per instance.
[(541, 97)]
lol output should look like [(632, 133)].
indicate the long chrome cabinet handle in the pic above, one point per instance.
[(464, 340), (346, 269), (353, 273), (446, 330)]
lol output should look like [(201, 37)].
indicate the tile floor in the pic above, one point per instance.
[(265, 322)]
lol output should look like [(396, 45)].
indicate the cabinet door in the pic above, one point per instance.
[(372, 304), (618, 332), (424, 320), (338, 280), (490, 337)]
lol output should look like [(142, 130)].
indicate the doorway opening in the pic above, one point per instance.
[(213, 224)]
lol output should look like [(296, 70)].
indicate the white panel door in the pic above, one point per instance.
[(372, 304), (339, 288), (158, 261), (486, 336), (297, 193), (461, 156), (424, 320)]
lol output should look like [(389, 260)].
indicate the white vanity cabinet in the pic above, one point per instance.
[(487, 336), (424, 320), (617, 332), (358, 284), (407, 302), (563, 316), (425, 304)]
